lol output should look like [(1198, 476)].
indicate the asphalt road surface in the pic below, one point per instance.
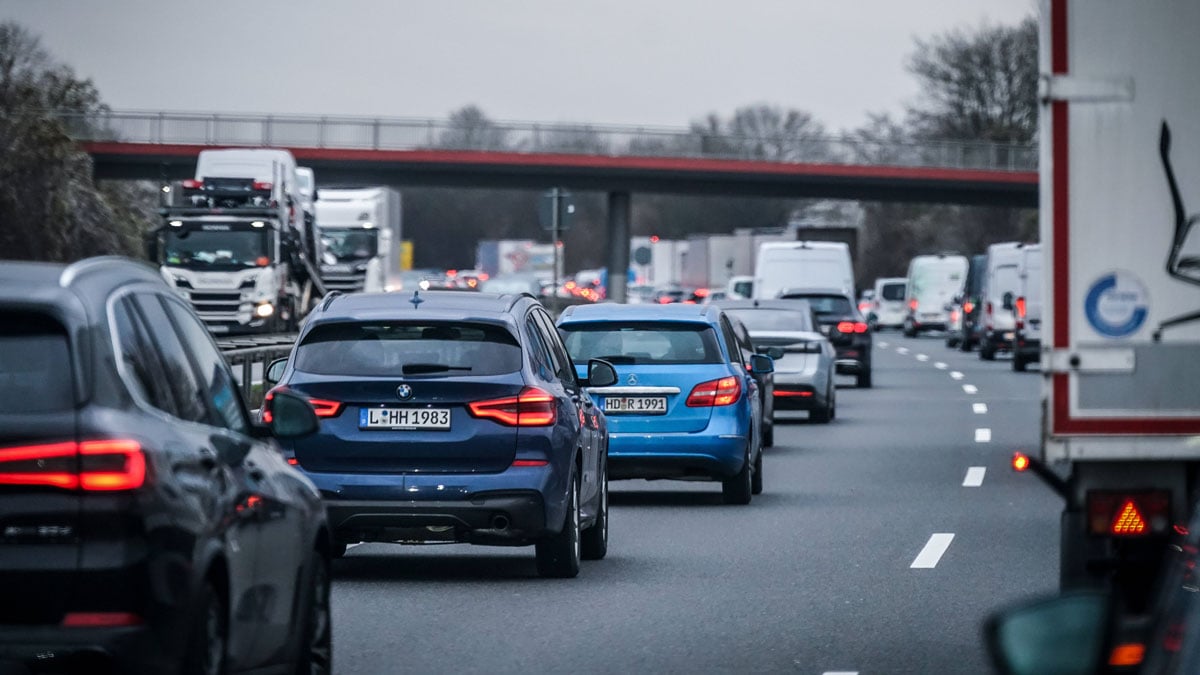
[(880, 544)]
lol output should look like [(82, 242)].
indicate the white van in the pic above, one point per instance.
[(740, 288), (268, 165), (1027, 339), (887, 307), (802, 265), (1001, 284), (933, 281)]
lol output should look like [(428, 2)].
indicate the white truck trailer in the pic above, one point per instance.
[(360, 232), (1120, 169)]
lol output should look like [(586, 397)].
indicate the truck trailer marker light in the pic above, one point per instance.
[(175, 223), (1129, 521), (1127, 654), (100, 619), (1020, 461)]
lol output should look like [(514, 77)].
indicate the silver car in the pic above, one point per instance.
[(804, 358)]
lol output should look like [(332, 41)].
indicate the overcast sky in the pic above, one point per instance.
[(662, 62)]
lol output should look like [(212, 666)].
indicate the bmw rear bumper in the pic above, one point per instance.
[(53, 649)]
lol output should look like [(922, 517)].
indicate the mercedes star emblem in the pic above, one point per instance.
[(631, 380)]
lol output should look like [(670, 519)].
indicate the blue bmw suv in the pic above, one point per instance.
[(687, 405), (451, 417)]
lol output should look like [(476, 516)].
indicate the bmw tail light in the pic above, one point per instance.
[(1136, 514), (95, 465), (725, 391), (533, 407)]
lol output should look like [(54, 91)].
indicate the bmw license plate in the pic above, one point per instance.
[(646, 405), (404, 418)]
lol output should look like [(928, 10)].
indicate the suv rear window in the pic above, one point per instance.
[(639, 343), (35, 364), (392, 349)]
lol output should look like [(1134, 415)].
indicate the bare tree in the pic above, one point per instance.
[(469, 128)]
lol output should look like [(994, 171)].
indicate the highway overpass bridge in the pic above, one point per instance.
[(618, 160)]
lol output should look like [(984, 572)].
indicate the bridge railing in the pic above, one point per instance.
[(299, 131)]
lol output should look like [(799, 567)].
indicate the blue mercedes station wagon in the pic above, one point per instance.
[(685, 405), (451, 417)]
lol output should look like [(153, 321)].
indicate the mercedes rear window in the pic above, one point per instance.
[(385, 349), (654, 342), (893, 291), (35, 364), (757, 320)]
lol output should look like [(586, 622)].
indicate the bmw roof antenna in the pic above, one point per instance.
[(416, 299)]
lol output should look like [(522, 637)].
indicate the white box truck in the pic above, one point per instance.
[(360, 232), (1120, 194)]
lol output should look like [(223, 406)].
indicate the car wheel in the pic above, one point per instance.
[(910, 330), (986, 351), (756, 482), (209, 631), (952, 341), (769, 434), (316, 650), (832, 401), (864, 379), (738, 488), (558, 556), (821, 415), (965, 345), (595, 538)]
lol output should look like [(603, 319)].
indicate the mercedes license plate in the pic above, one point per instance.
[(404, 418), (647, 405)]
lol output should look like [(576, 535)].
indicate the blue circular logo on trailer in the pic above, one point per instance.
[(1117, 304)]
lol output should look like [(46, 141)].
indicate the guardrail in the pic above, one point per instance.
[(382, 133), (249, 356)]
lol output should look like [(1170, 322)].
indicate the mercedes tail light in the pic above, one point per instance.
[(533, 407), (1137, 514), (96, 465), (725, 391)]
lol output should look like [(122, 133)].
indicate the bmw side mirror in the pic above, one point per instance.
[(292, 416), (601, 373), (1007, 301), (1064, 634), (761, 364), (274, 372)]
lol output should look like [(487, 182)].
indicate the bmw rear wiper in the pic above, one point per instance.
[(424, 368)]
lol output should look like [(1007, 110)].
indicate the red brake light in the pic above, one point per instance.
[(193, 184), (530, 462), (533, 407), (262, 185), (99, 465), (1129, 515), (861, 327), (267, 417), (968, 306), (100, 619), (912, 304), (1021, 307), (724, 391), (325, 408), (786, 394), (1127, 654), (845, 327)]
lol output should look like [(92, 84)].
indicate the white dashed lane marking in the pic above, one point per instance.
[(901, 350), (983, 435), (979, 408), (840, 672), (970, 389), (956, 375), (922, 357), (882, 344), (929, 556), (974, 476), (939, 365)]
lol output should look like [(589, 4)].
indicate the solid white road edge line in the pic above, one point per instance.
[(840, 672), (970, 389), (979, 408), (983, 435), (956, 375), (974, 476), (929, 556)]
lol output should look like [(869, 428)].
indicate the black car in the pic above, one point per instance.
[(845, 327), (970, 306), (146, 525), (451, 417)]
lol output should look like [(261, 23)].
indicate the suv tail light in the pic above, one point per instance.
[(968, 307), (1121, 514), (262, 185), (533, 407), (193, 184), (98, 465), (322, 407), (725, 391), (848, 327)]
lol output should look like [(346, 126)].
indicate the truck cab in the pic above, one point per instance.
[(359, 234)]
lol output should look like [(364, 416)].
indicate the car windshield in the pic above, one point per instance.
[(216, 246), (396, 349), (757, 320), (894, 292), (824, 304), (349, 245), (660, 343)]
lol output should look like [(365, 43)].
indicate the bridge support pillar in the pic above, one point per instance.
[(618, 245)]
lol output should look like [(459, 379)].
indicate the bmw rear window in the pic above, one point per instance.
[(35, 364), (642, 343), (385, 349)]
